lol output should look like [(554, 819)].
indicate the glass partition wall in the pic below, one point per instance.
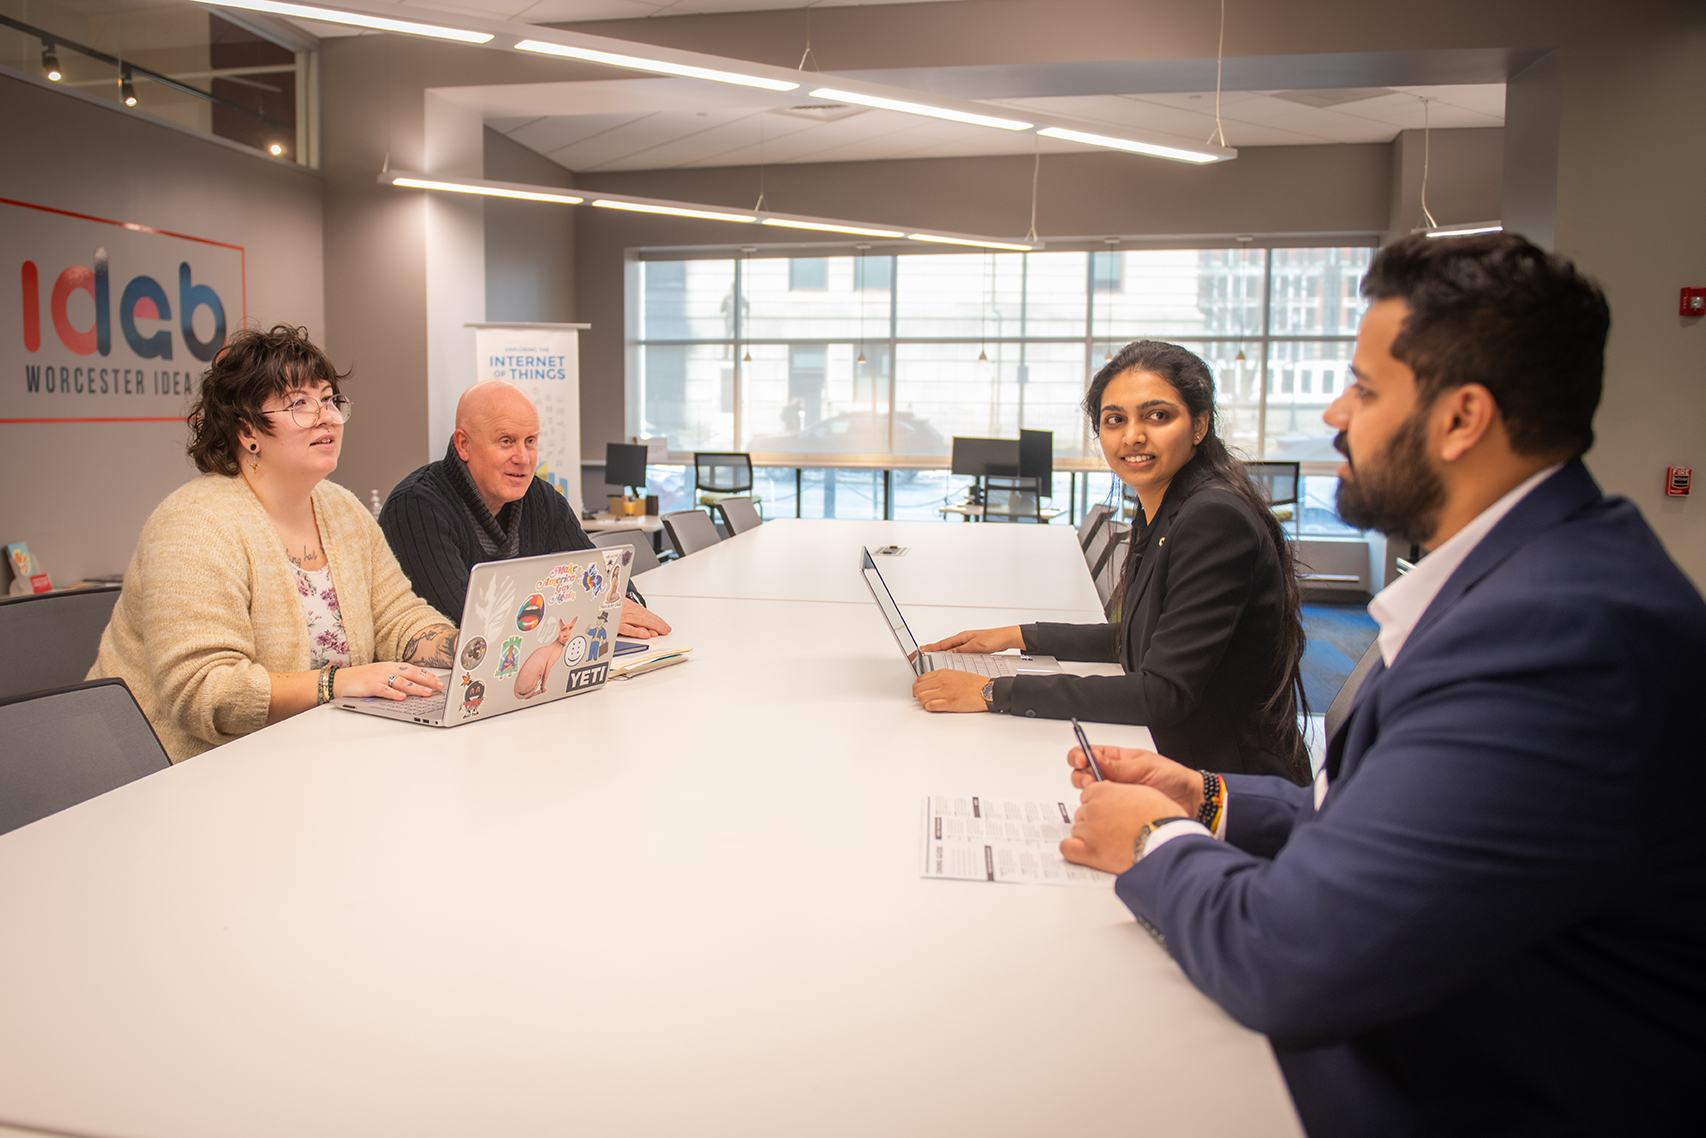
[(829, 364)]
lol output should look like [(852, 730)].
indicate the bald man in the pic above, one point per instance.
[(481, 502)]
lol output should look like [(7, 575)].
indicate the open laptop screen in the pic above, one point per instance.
[(891, 611)]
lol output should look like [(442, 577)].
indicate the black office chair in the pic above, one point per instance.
[(1341, 705), (1279, 482), (1106, 556), (739, 515), (69, 744), (645, 557), (1094, 519), (52, 639), (1011, 498), (690, 531), (722, 474)]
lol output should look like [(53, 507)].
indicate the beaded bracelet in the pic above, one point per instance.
[(1213, 797), (331, 681), (320, 687)]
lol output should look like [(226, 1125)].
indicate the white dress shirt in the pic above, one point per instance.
[(1398, 606)]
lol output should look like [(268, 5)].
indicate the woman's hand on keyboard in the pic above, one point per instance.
[(981, 641), (386, 680), (944, 690)]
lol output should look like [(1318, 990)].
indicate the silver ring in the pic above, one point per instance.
[(389, 680)]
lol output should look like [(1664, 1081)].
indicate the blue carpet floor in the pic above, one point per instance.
[(1338, 636)]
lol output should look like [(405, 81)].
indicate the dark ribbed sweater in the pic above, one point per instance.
[(431, 527)]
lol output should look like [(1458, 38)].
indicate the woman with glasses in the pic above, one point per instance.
[(260, 590)]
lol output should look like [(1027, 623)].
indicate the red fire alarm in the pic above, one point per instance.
[(1693, 302), (1677, 479)]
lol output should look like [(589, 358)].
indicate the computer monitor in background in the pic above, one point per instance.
[(980, 458), (1036, 460), (625, 464)]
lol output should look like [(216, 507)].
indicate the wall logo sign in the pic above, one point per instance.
[(107, 321)]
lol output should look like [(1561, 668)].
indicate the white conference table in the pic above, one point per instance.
[(689, 903)]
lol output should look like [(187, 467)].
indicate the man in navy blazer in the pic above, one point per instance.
[(1488, 916)]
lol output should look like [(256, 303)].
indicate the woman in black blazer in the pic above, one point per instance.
[(1206, 615)]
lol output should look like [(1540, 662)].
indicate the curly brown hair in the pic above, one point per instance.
[(254, 367)]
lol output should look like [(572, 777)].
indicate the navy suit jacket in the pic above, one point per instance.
[(1496, 921)]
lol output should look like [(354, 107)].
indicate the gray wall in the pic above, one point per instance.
[(79, 492), (530, 246)]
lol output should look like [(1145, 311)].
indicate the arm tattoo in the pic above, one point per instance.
[(433, 647)]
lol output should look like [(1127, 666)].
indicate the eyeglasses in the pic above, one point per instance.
[(305, 409)]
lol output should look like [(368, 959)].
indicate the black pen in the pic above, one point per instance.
[(1089, 756)]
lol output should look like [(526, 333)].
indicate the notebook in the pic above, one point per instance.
[(921, 662), (534, 630)]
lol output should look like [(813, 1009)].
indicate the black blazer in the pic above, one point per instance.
[(1203, 617)]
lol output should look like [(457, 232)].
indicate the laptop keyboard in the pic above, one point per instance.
[(423, 705), (981, 665)]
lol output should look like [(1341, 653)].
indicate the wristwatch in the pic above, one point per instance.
[(1137, 846), (989, 696)]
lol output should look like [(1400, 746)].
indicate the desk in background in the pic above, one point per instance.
[(688, 903)]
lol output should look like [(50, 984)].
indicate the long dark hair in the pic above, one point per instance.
[(1191, 378)]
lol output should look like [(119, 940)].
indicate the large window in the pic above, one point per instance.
[(882, 360), (889, 357)]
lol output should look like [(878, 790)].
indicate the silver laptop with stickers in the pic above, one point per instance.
[(534, 630), (991, 665)]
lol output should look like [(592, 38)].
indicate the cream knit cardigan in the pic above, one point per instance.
[(209, 608)]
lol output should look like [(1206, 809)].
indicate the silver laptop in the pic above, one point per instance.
[(921, 662), (534, 630)]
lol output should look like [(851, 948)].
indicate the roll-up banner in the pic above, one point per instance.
[(544, 361), (108, 321)]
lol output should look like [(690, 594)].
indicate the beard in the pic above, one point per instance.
[(1400, 493)]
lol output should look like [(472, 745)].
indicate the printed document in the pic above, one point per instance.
[(971, 838)]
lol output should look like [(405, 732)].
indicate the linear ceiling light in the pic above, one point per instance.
[(639, 64), (918, 109), (487, 191), (829, 228), (410, 180), (972, 241), (356, 19), (1465, 229), (673, 210), (1150, 148)]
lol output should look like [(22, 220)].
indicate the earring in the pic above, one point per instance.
[(255, 452)]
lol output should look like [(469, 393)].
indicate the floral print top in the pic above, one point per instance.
[(326, 641)]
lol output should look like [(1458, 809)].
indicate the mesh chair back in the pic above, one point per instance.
[(52, 639), (1278, 480), (722, 472), (1094, 519), (1011, 500), (1106, 557), (645, 558), (739, 515), (690, 531), (70, 744), (1341, 705)]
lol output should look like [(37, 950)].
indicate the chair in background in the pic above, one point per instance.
[(1105, 556), (739, 515), (52, 639), (1279, 481), (1009, 498), (645, 558), (690, 531), (1341, 705), (1094, 519), (722, 474), (69, 744)]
